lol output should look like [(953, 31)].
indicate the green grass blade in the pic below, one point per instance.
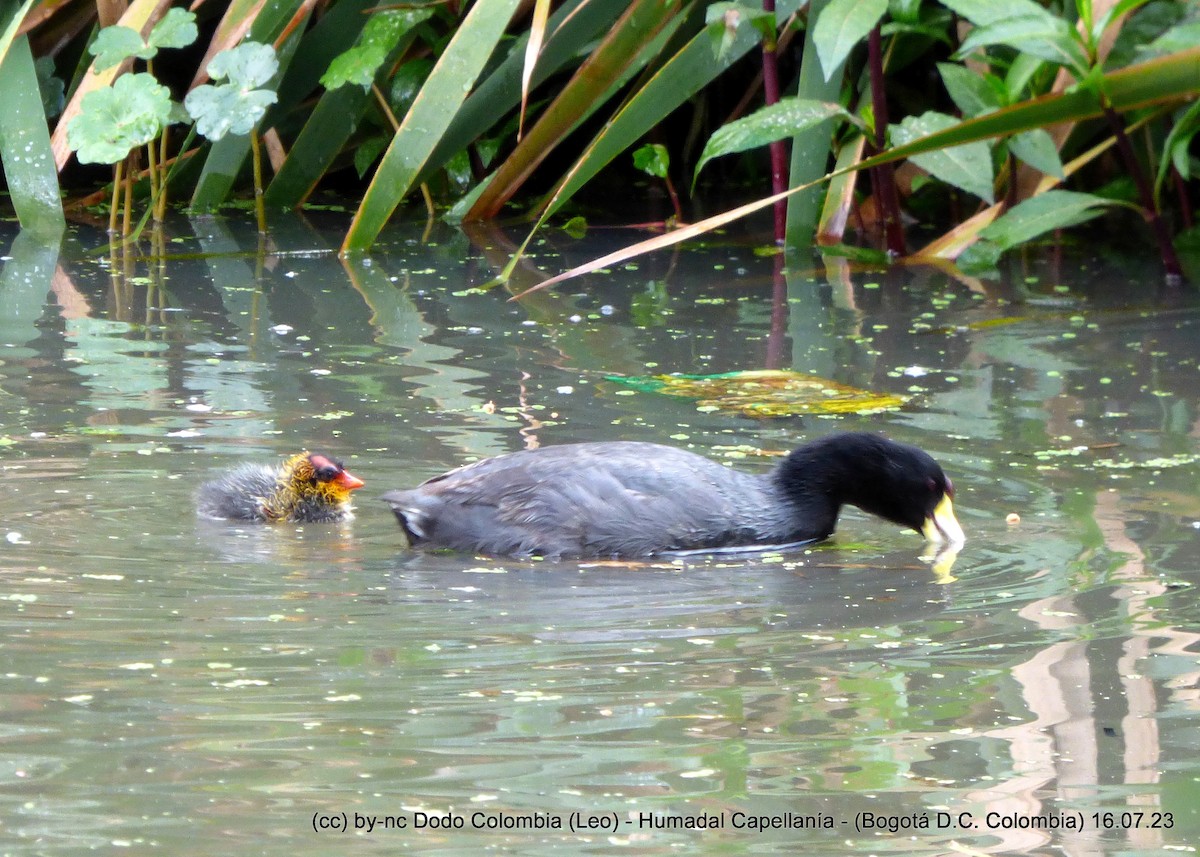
[(428, 118), (329, 126), (1172, 77), (691, 69), (620, 54), (25, 144), (810, 148), (572, 27)]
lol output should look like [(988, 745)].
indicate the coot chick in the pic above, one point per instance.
[(631, 499), (308, 487)]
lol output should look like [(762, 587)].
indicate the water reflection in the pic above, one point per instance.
[(194, 686)]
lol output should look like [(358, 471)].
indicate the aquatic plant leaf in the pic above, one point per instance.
[(116, 119), (785, 118), (29, 170), (969, 91), (249, 65), (1037, 149), (447, 86), (984, 12), (234, 107), (1054, 209), (116, 44), (378, 40), (653, 160), (1045, 36), (51, 87), (177, 29), (842, 25), (765, 393), (968, 166)]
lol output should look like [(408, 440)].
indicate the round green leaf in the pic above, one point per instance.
[(247, 66), (115, 119), (177, 29), (226, 109), (653, 160), (116, 44)]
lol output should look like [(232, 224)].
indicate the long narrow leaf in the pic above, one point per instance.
[(331, 123), (537, 35), (842, 25), (686, 73), (776, 121), (810, 148), (1166, 79), (25, 144), (619, 54), (572, 27), (445, 89), (1054, 209)]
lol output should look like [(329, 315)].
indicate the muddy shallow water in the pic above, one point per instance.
[(180, 686)]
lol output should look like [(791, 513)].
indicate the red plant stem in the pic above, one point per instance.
[(778, 149), (887, 197), (1149, 210)]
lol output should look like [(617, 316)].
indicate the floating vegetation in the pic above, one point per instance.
[(765, 393)]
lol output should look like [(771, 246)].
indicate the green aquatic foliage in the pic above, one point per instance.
[(116, 119), (115, 44), (967, 166), (237, 105), (765, 393)]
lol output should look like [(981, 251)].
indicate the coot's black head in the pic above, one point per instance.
[(895, 481)]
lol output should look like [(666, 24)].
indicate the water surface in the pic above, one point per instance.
[(186, 687)]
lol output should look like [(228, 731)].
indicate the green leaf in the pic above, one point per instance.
[(29, 170), (968, 166), (1043, 36), (221, 110), (247, 66), (51, 88), (1178, 38), (115, 45), (367, 151), (1054, 209), (672, 84), (357, 65), (234, 107), (842, 25), (1123, 7), (774, 122), (177, 29), (451, 79), (969, 91), (653, 159), (1037, 149), (360, 64), (115, 119), (1177, 146), (905, 11), (981, 13)]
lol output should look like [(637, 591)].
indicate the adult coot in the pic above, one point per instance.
[(306, 487), (628, 499)]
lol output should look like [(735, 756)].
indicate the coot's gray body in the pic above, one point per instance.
[(631, 499)]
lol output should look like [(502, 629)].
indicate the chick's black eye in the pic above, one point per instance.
[(324, 474)]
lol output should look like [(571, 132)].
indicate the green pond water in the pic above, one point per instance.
[(176, 686)]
